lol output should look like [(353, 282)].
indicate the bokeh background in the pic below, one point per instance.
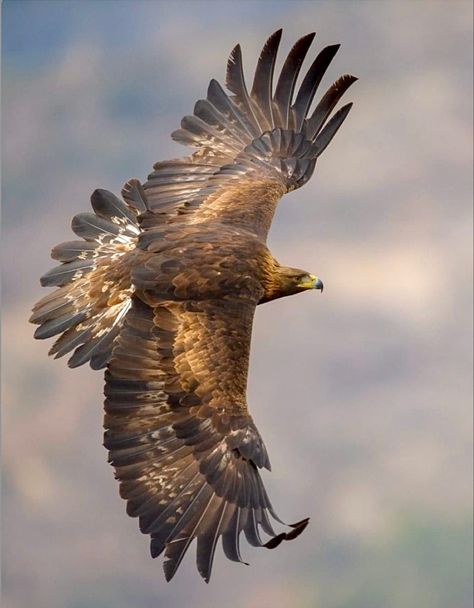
[(363, 395)]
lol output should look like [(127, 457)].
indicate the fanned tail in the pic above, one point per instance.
[(94, 287)]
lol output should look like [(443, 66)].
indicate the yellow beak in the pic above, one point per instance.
[(314, 282)]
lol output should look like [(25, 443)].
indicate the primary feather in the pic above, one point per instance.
[(162, 290)]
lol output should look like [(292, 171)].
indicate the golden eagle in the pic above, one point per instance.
[(162, 292)]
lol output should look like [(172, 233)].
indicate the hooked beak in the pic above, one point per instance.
[(318, 284), (313, 282)]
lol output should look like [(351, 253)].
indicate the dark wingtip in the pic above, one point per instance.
[(235, 52), (325, 136), (311, 83), (234, 56), (169, 569), (234, 77), (288, 76), (273, 40), (349, 79), (306, 39), (298, 528), (154, 552)]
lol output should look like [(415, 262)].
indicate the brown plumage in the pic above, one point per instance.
[(163, 290)]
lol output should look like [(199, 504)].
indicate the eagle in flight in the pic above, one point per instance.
[(162, 292)]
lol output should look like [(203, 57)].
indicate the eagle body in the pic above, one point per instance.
[(161, 290), (212, 260)]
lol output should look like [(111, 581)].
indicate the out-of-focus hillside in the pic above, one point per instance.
[(363, 395)]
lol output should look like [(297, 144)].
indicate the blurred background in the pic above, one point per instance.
[(363, 395)]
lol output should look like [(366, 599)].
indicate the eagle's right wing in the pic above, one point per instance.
[(182, 442), (252, 147)]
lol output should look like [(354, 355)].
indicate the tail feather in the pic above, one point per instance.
[(67, 272), (108, 206), (74, 250), (134, 195), (52, 327), (94, 281)]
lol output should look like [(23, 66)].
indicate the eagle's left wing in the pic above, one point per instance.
[(252, 147), (184, 447)]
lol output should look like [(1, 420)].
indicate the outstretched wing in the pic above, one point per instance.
[(252, 147), (183, 444)]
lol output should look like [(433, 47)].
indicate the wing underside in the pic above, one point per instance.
[(185, 450), (265, 137)]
